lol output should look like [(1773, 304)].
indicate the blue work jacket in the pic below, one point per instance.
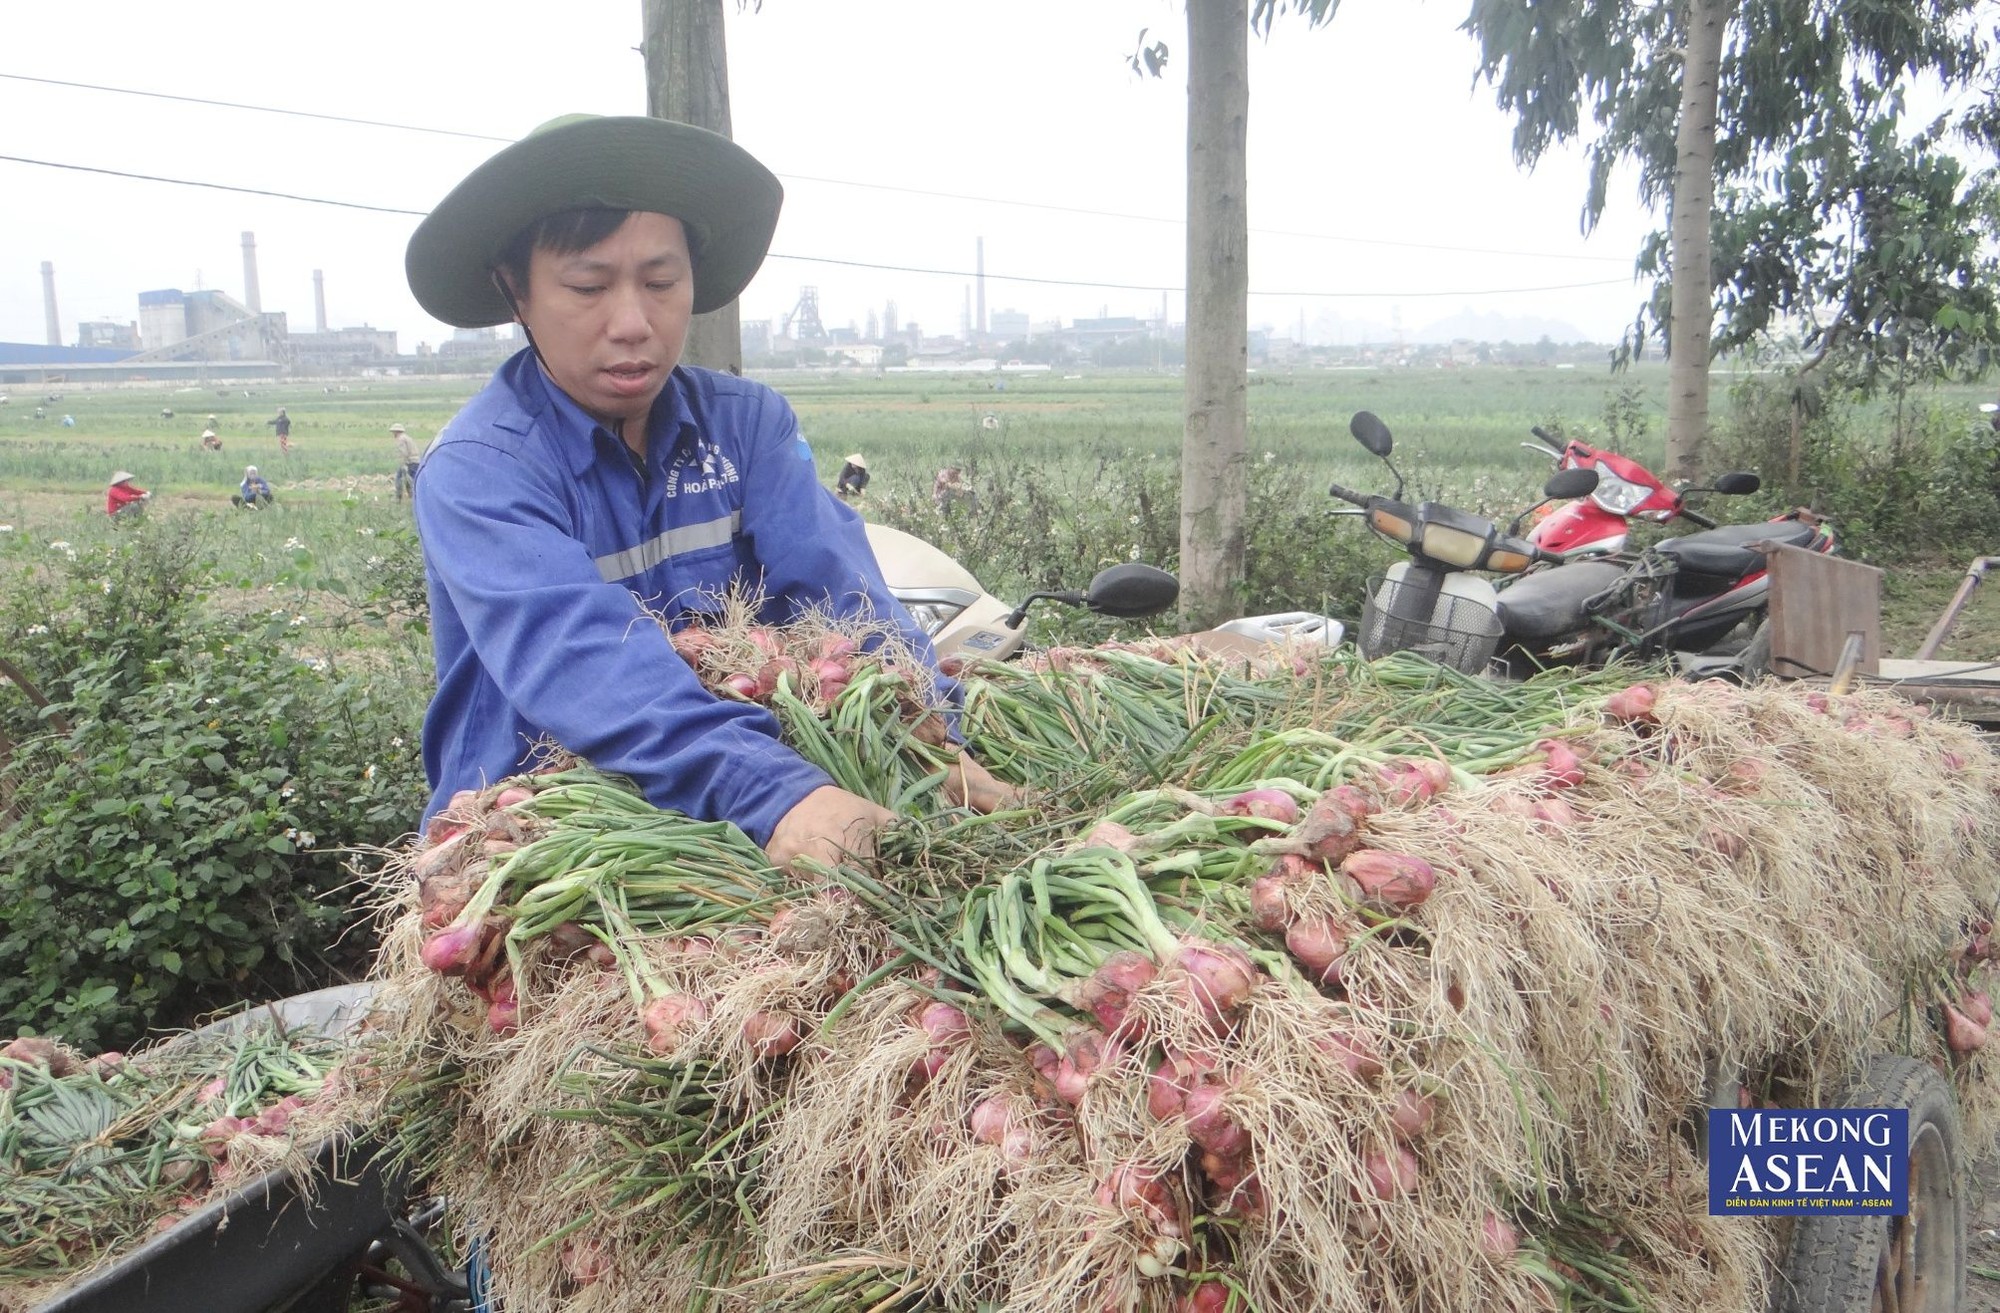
[(545, 543)]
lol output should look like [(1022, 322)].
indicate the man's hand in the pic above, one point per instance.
[(971, 785), (827, 826)]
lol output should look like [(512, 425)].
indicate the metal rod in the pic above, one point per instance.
[(1942, 629)]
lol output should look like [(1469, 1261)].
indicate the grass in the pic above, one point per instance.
[(1457, 439)]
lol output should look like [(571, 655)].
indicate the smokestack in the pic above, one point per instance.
[(980, 269), (251, 297), (319, 301), (49, 303)]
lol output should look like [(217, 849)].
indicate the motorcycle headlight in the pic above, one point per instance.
[(1453, 546), (932, 617), (1619, 496)]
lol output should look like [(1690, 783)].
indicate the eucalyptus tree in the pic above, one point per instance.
[(1772, 131), (1215, 453), (687, 80)]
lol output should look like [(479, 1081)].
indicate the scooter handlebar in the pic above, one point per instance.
[(1697, 519), (1346, 494)]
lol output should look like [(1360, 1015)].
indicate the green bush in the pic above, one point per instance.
[(179, 818), (1916, 486), (1027, 529)]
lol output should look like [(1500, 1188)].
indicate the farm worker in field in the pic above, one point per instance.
[(949, 488), (406, 462), (209, 442), (253, 492), (596, 476), (853, 476), (124, 498), (283, 424)]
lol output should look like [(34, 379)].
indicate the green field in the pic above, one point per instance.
[(1457, 434)]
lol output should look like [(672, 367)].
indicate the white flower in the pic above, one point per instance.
[(396, 742), (59, 546), (213, 701), (277, 611), (105, 584), (38, 629), (315, 663), (374, 561), (368, 771), (291, 833), (287, 792), (1134, 554), (366, 531), (298, 620), (294, 545), (1134, 521), (307, 839), (1270, 456)]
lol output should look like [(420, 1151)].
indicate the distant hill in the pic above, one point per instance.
[(1329, 329), (1475, 326)]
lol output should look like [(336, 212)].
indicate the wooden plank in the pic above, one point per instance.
[(1984, 674), (1816, 601)]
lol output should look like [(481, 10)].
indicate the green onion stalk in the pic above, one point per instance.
[(867, 743), (1045, 935), (92, 1158)]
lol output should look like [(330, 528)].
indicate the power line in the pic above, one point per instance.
[(259, 109), (819, 259), (212, 186), (1161, 287), (845, 182), (1155, 218)]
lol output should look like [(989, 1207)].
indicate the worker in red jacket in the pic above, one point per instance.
[(123, 497)]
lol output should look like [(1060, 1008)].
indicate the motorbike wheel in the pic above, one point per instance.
[(1914, 1264)]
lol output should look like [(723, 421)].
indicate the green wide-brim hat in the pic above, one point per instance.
[(726, 200)]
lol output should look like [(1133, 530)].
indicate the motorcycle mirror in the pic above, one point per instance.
[(1738, 483), (1129, 591), (1565, 484), (1369, 430)]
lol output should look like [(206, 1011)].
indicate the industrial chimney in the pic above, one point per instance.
[(981, 270), (49, 303), (319, 301), (251, 297)]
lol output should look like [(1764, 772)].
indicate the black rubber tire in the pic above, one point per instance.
[(1834, 1264)]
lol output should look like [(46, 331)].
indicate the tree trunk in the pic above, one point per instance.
[(687, 80), (1214, 444), (1693, 305)]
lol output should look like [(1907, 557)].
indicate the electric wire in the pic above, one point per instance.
[(820, 259), (847, 182)]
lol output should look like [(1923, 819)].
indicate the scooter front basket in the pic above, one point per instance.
[(1458, 632)]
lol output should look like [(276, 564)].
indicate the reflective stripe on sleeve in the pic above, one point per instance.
[(674, 542)]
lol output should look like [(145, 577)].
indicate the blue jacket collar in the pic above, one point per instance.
[(578, 434)]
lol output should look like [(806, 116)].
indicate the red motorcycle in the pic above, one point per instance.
[(1600, 523)]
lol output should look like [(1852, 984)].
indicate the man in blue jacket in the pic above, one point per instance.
[(596, 476)]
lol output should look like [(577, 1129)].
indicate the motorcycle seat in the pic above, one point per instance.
[(1548, 604), (1726, 551)]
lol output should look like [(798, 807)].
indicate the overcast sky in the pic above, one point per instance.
[(1382, 187)]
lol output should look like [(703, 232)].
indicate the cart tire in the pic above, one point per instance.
[(1839, 1264)]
